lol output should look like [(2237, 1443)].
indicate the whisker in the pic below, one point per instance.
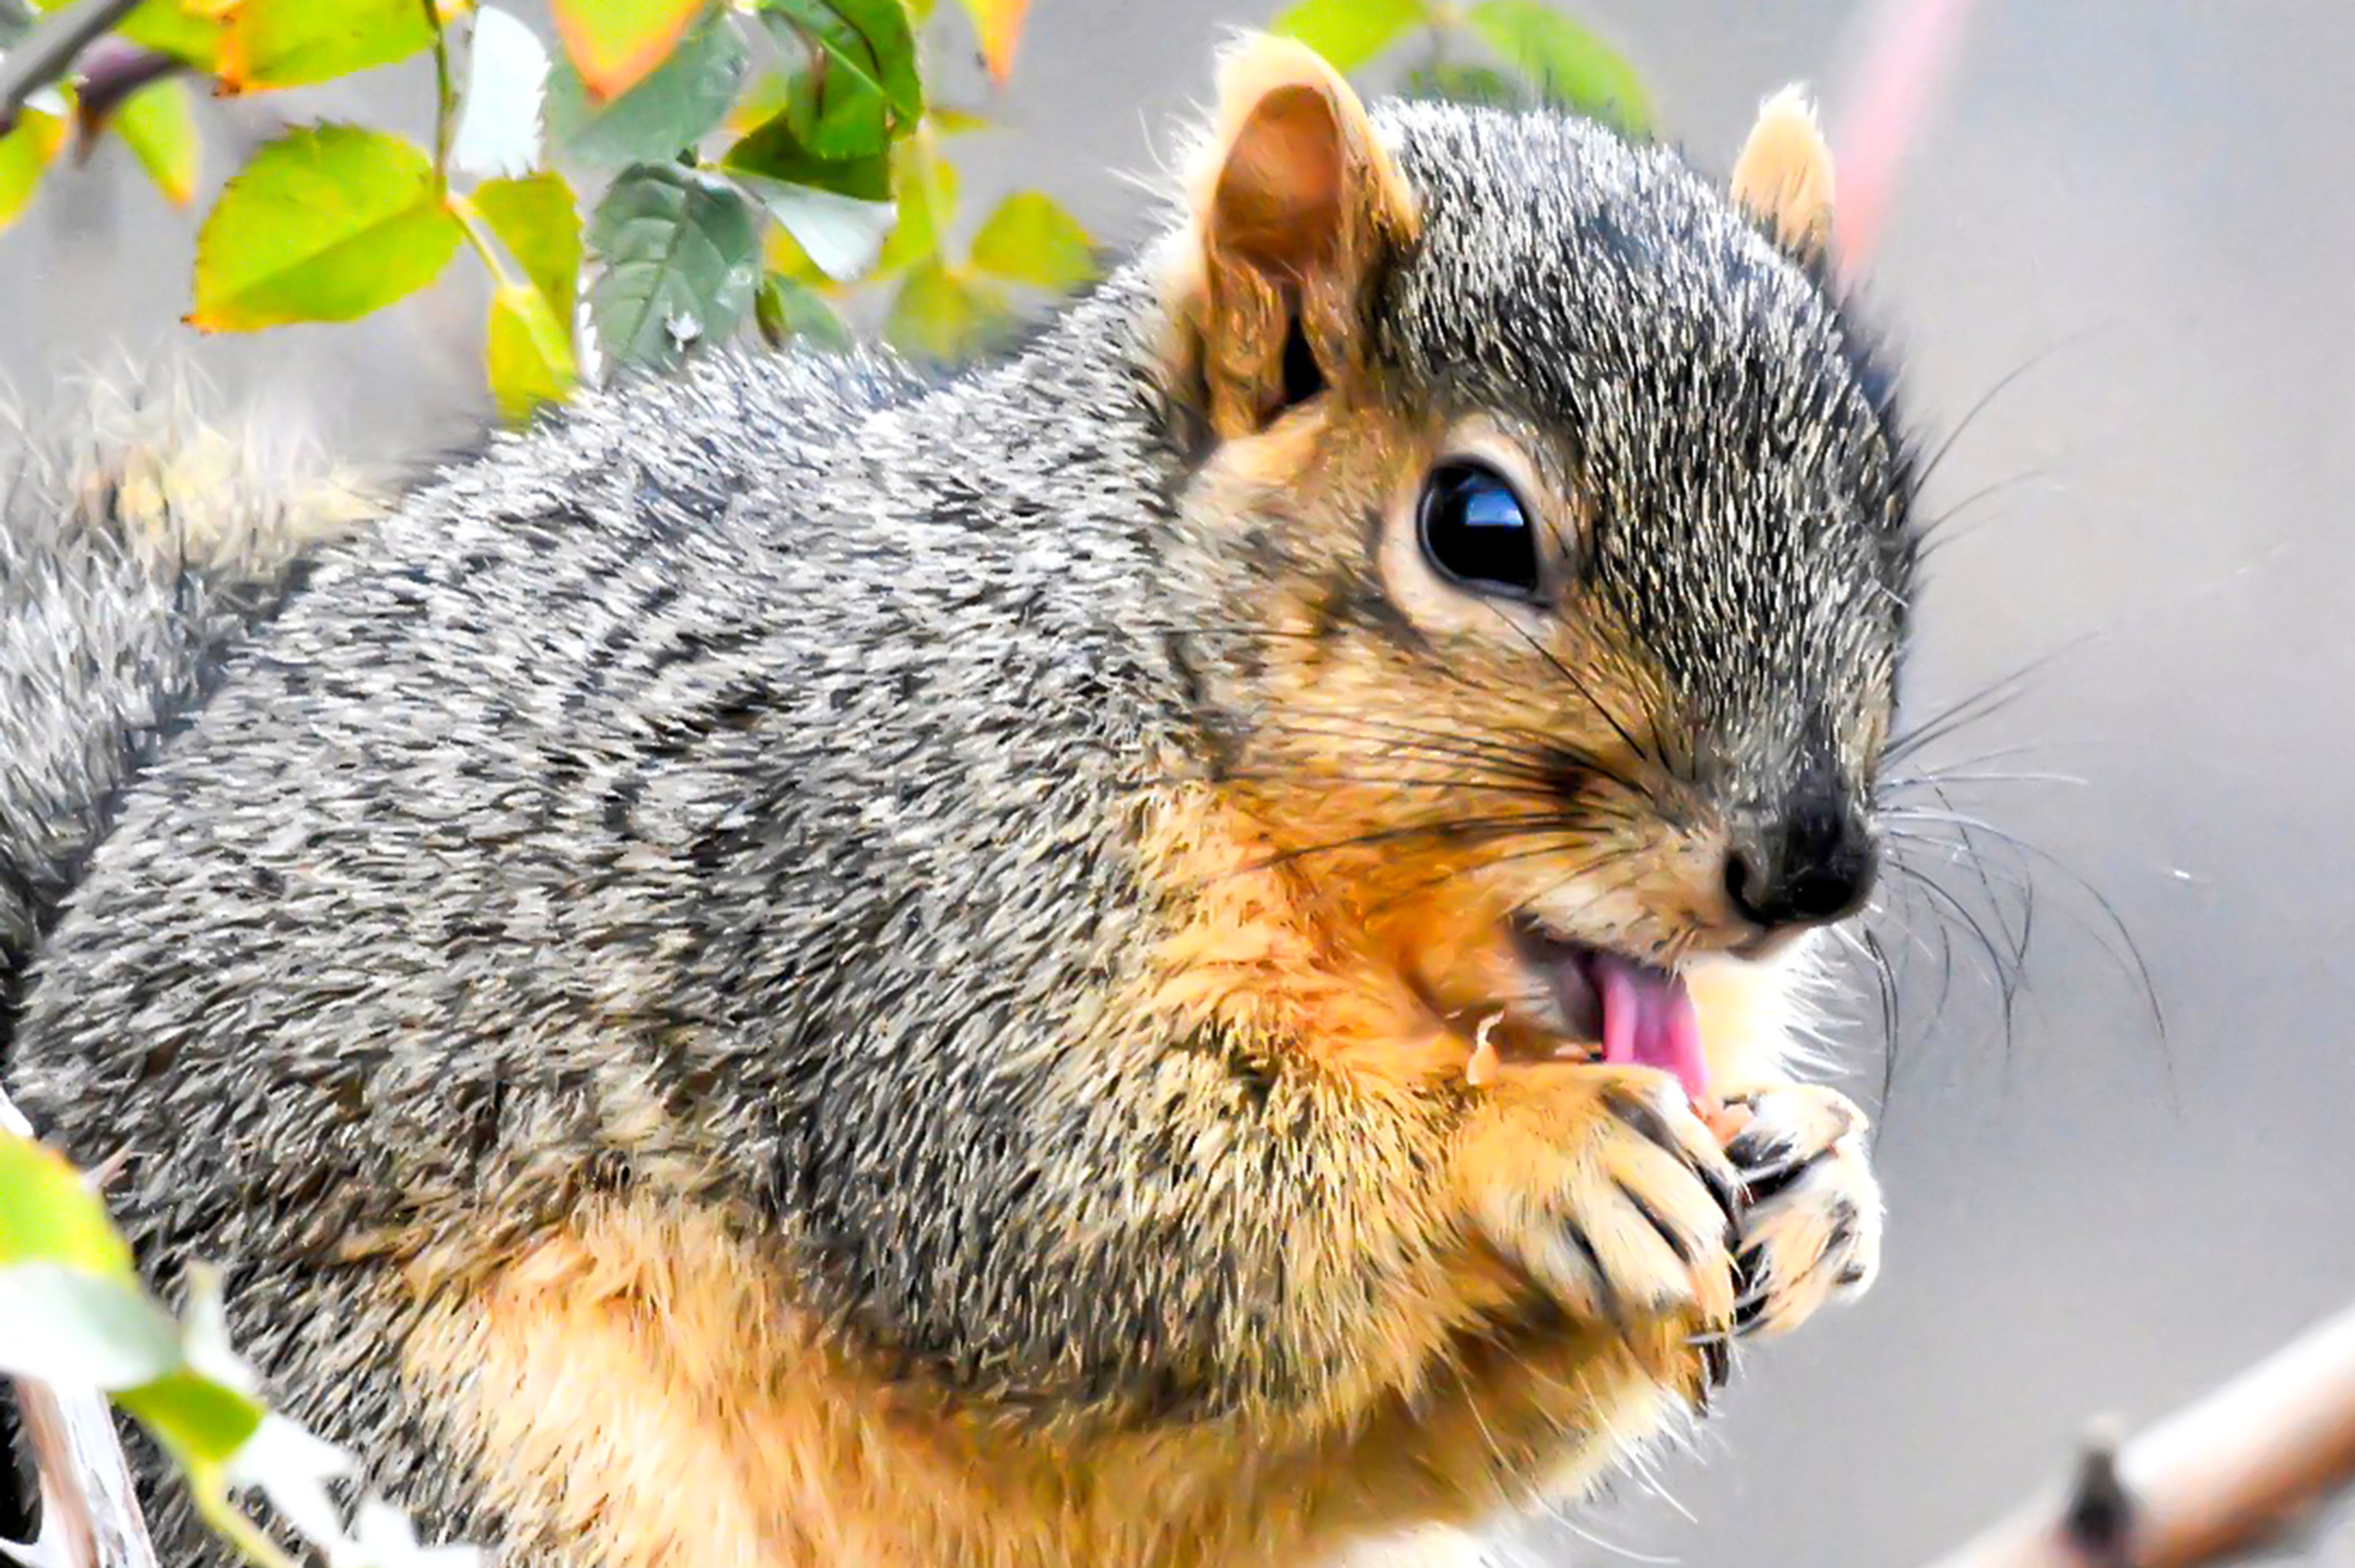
[(1586, 867), (1923, 475), (1982, 704), (2006, 981), (1977, 863), (1578, 684), (2115, 922), (1938, 533)]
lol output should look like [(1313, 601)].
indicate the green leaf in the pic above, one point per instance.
[(185, 29), (927, 191), (764, 100), (671, 109), (535, 218), (1031, 240), (789, 311), (160, 127), (838, 234), (868, 40), (326, 223), (1454, 83), (49, 1215), (24, 151), (857, 87), (941, 317), (1566, 61), (178, 30), (530, 352), (1349, 33), (956, 122), (775, 151), (287, 43), (97, 1329), (201, 1421), (616, 43), (680, 260)]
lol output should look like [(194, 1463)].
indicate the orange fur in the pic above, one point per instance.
[(637, 1390), (1783, 176)]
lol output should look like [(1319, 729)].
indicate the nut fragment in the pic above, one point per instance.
[(1480, 1071)]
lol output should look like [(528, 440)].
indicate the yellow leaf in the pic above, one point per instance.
[(999, 25), (1031, 240), (289, 43), (185, 29), (48, 1214), (615, 43), (24, 151), (161, 130), (326, 223), (529, 353), (535, 220)]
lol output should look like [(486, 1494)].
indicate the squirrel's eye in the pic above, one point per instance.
[(1476, 531)]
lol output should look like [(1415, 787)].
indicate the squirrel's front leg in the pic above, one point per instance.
[(1608, 1192), (1602, 1186), (1811, 1217)]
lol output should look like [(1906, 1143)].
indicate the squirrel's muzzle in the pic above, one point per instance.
[(1812, 865)]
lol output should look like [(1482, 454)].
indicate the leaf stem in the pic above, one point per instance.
[(470, 223), (925, 166), (445, 97), (49, 52), (228, 1522)]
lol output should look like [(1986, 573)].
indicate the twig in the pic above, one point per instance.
[(111, 71), (445, 96), (88, 1503), (50, 51), (2236, 1472)]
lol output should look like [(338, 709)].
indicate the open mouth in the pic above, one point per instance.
[(1640, 1012)]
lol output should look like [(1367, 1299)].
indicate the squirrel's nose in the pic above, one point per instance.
[(1812, 867)]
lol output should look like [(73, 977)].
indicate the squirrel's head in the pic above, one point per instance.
[(1546, 564)]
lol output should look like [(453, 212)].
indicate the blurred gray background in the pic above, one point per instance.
[(2145, 204)]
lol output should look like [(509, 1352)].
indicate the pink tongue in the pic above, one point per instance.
[(1648, 1022)]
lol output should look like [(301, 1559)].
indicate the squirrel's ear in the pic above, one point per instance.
[(1783, 177), (1295, 209)]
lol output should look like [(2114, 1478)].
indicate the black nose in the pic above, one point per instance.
[(1811, 868)]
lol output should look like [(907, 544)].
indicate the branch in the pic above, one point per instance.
[(50, 51), (110, 72), (88, 1508), (2236, 1472)]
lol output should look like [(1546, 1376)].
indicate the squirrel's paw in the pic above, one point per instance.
[(1611, 1194), (1810, 1228)]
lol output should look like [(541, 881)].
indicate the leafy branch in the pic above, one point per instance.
[(52, 49), (330, 222), (75, 1322), (1493, 51)]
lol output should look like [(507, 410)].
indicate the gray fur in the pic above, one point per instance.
[(1719, 413), (769, 743), (133, 555)]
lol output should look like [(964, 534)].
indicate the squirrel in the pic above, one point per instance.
[(1186, 951)]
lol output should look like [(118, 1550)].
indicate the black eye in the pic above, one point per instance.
[(1475, 530)]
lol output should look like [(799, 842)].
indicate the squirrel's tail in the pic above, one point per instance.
[(142, 534), (141, 538)]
